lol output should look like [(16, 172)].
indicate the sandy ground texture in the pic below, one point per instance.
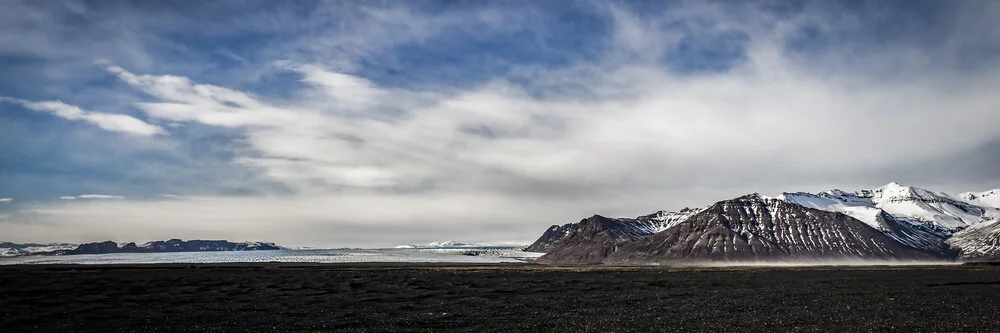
[(495, 298)]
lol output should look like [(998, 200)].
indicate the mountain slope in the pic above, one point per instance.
[(979, 241), (547, 241), (927, 237)]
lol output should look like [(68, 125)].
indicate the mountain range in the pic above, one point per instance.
[(893, 223), (172, 245)]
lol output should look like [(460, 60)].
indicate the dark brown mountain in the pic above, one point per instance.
[(634, 228)]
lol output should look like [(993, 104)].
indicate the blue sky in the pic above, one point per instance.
[(336, 120)]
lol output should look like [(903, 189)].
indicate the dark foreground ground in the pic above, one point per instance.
[(513, 298)]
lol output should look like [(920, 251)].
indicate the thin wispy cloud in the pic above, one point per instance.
[(107, 121)]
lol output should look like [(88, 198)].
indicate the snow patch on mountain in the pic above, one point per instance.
[(837, 201), (663, 220), (989, 198)]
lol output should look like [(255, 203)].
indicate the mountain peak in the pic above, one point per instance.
[(894, 187), (753, 197)]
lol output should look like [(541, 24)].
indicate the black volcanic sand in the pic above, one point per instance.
[(512, 298)]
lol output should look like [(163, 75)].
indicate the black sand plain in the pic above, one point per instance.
[(496, 298)]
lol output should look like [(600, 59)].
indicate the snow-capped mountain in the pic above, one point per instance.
[(900, 201), (913, 216), (893, 222), (920, 204), (754, 228)]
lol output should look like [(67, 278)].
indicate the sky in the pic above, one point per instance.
[(370, 124)]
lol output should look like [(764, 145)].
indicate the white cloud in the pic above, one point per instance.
[(107, 121), (99, 196), (710, 128), (67, 197), (2, 200)]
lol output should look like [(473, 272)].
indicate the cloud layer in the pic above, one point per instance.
[(439, 121)]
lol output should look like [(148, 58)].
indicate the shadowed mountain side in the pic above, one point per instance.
[(547, 241), (924, 236)]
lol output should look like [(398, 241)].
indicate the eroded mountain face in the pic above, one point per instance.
[(891, 223)]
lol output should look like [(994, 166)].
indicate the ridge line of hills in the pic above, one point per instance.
[(172, 245)]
